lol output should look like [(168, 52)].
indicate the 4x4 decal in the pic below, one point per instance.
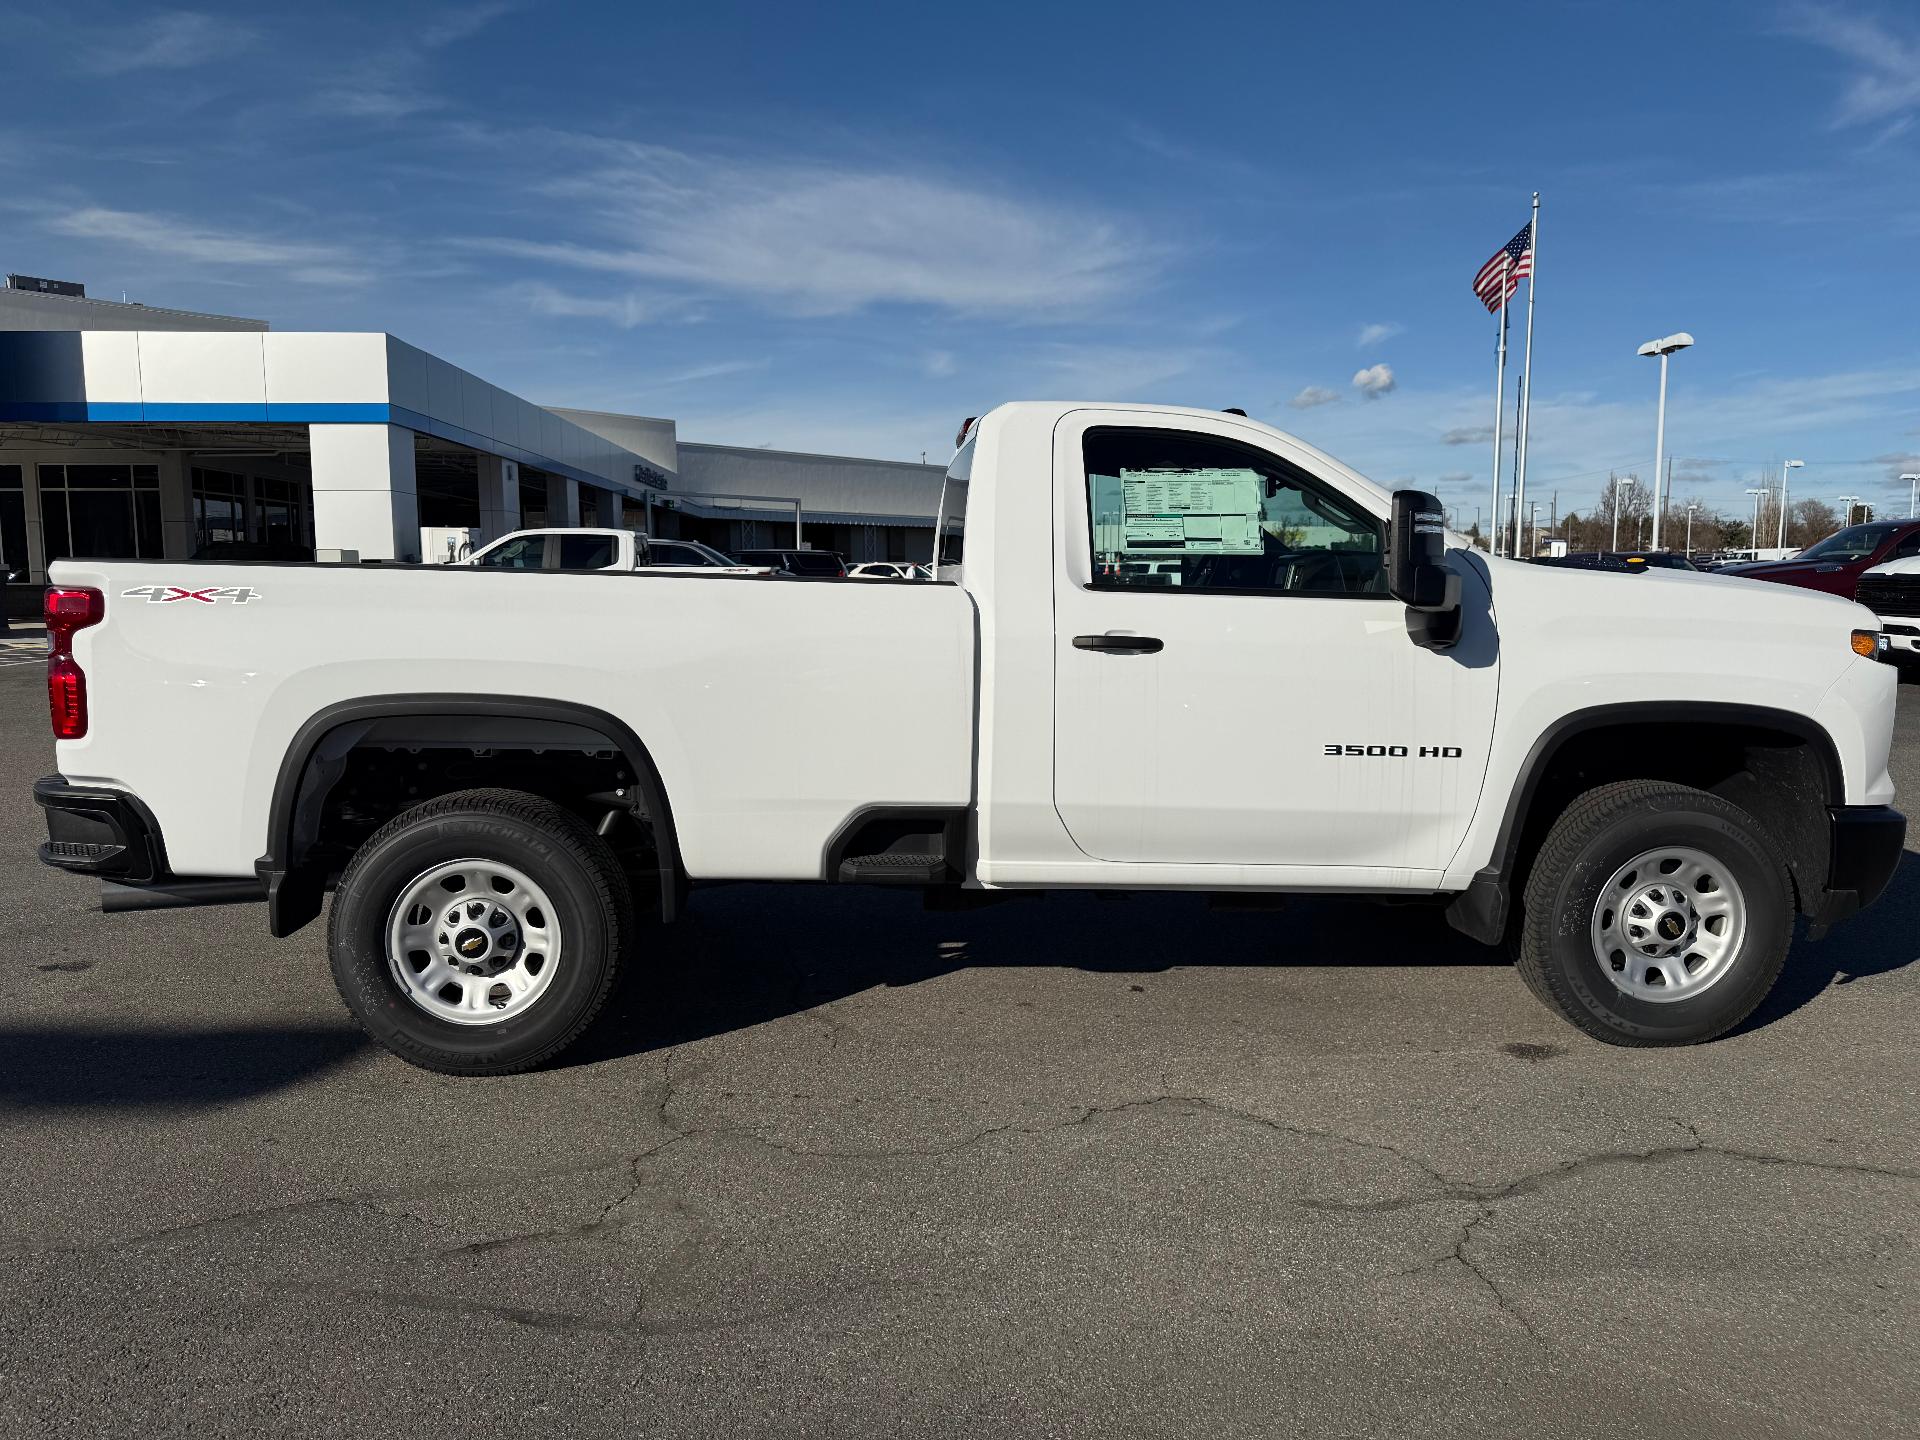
[(207, 595)]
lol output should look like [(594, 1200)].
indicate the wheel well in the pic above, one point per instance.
[(1784, 778), (352, 769)]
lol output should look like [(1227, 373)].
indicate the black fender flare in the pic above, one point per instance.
[(1481, 909), (294, 889)]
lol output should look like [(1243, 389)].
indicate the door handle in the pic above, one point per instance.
[(1119, 644)]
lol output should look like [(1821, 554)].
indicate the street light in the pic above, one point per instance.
[(1781, 543), (1913, 496), (1617, 484), (1690, 510), (1663, 348), (1753, 535), (1849, 501)]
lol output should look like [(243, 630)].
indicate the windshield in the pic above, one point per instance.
[(1856, 542)]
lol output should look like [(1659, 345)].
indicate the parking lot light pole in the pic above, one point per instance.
[(1690, 510), (1663, 348), (1624, 480), (1849, 501), (1913, 495), (1753, 535), (1781, 543)]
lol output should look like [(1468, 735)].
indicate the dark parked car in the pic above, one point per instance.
[(1836, 563), (253, 551), (1619, 560), (797, 562)]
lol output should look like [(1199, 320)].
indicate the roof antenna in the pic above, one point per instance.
[(1234, 410)]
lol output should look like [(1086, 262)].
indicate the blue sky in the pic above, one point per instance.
[(843, 228)]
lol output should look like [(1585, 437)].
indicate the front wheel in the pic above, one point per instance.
[(479, 933), (1655, 914)]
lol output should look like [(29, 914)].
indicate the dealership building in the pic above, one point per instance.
[(129, 431)]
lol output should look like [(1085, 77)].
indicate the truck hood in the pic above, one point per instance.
[(1909, 566), (1693, 626), (1777, 568)]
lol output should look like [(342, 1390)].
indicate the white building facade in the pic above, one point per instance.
[(128, 431)]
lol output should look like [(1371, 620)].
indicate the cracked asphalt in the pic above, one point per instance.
[(840, 1167)]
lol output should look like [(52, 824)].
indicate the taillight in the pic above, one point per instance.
[(68, 611)]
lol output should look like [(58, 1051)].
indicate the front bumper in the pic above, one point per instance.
[(1866, 844), (1899, 640)]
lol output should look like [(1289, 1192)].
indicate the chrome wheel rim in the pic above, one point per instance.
[(473, 942), (1668, 924)]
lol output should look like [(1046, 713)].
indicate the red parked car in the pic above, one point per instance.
[(1836, 563)]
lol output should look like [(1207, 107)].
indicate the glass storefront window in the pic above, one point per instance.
[(13, 520), (101, 512)]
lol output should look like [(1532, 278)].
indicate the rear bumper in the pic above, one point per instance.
[(101, 832), (1866, 844), (110, 833)]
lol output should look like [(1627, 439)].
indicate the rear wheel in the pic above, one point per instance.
[(1655, 914), (479, 933)]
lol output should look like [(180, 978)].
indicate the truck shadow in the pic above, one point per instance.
[(1881, 939), (72, 1068), (749, 954)]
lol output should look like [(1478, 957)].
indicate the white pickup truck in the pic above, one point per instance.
[(585, 548), (1635, 780)]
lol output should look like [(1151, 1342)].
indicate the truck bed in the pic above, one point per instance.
[(774, 708)]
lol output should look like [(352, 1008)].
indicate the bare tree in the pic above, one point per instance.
[(1811, 520)]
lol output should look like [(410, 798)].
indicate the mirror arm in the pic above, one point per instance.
[(1437, 627)]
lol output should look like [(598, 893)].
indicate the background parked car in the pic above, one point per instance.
[(579, 549), (1619, 560), (253, 551), (1836, 563), (884, 570), (798, 562)]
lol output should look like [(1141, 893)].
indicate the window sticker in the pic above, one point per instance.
[(1191, 512)]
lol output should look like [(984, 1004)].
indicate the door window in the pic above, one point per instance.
[(586, 552), (663, 552), (1175, 511), (526, 553)]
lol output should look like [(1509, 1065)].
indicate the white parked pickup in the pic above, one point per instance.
[(502, 774), (591, 549)]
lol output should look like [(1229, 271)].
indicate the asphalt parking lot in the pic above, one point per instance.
[(841, 1167)]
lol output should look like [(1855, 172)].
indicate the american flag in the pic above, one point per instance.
[(1501, 275)]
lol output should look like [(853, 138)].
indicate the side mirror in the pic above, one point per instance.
[(1417, 573)]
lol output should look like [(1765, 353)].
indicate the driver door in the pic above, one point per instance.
[(1233, 684)]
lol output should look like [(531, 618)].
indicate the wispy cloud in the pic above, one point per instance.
[(627, 311), (820, 239), (392, 81), (1885, 84), (184, 240), (939, 364), (457, 25), (1900, 462), (1468, 435), (1314, 396), (1374, 381), (177, 40), (1375, 333)]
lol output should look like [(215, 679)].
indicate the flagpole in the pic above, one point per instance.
[(1526, 370), (1499, 397)]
